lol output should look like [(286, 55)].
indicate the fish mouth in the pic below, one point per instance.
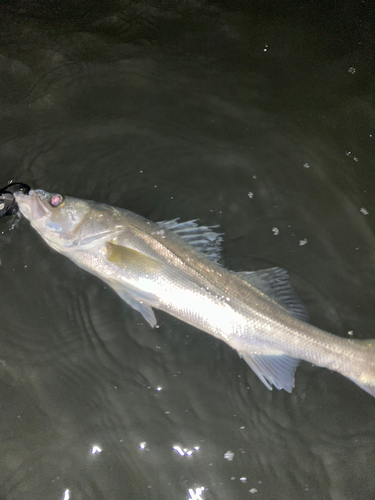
[(31, 205)]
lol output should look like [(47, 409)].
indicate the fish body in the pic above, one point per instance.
[(172, 266)]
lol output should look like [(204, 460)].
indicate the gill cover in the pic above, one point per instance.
[(67, 223)]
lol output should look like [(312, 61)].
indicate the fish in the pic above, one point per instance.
[(174, 267)]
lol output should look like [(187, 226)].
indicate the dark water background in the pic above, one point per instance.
[(258, 116)]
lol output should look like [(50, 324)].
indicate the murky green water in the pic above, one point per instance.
[(259, 119)]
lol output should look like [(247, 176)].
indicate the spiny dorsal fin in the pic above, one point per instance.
[(202, 238), (275, 283)]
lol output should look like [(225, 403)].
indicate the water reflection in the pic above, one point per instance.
[(185, 451), (196, 494), (66, 495)]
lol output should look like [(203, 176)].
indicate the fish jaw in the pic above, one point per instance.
[(72, 224), (31, 205), (34, 207), (60, 226)]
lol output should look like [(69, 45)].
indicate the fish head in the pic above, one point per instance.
[(58, 219)]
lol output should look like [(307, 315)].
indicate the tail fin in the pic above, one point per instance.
[(367, 379), (370, 389)]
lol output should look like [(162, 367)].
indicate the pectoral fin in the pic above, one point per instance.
[(134, 299), (275, 371), (136, 264), (129, 258)]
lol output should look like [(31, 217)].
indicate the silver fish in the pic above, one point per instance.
[(172, 266)]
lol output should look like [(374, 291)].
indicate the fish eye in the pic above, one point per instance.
[(56, 200)]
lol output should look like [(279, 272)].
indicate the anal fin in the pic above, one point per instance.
[(277, 371)]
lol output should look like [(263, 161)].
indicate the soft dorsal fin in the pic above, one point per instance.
[(275, 283), (202, 238)]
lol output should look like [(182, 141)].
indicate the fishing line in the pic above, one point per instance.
[(8, 204)]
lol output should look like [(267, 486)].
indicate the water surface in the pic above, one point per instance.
[(257, 119)]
